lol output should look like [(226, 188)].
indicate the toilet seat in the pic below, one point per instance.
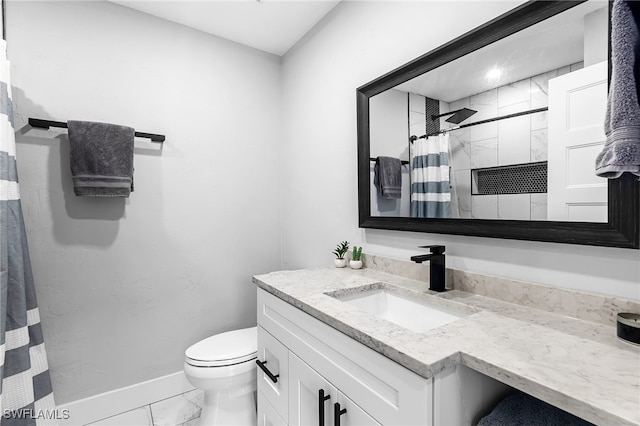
[(220, 363), (224, 349)]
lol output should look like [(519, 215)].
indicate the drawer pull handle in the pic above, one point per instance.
[(261, 364), (321, 399), (337, 412)]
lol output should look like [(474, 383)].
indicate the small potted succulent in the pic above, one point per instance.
[(356, 258), (341, 249)]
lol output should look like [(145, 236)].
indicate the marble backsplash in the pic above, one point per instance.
[(592, 307)]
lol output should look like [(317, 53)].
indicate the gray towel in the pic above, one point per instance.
[(522, 409), (621, 151), (101, 159), (387, 177)]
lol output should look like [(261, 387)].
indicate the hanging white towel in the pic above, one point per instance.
[(430, 185)]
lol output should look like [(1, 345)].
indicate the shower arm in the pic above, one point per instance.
[(475, 123)]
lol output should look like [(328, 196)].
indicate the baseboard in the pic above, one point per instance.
[(97, 407)]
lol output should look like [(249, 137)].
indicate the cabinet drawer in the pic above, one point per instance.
[(275, 358), (267, 415), (352, 415), (390, 393)]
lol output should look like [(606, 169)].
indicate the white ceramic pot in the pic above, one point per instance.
[(340, 263), (355, 264)]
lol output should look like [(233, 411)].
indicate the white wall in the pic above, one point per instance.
[(124, 286), (357, 42), (390, 137), (596, 36)]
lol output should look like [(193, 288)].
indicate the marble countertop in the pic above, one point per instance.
[(579, 366)]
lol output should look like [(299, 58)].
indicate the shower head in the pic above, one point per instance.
[(460, 115), (457, 116)]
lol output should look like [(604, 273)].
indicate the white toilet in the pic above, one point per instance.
[(224, 367)]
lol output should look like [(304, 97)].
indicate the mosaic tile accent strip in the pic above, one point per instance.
[(432, 106)]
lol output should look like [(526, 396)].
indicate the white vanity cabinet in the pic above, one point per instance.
[(311, 366), (307, 356), (312, 400)]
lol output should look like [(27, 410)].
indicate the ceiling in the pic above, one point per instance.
[(273, 26), (548, 45)]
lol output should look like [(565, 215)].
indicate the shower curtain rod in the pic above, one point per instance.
[(475, 123), (45, 124)]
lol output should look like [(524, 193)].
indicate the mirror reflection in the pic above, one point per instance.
[(510, 131)]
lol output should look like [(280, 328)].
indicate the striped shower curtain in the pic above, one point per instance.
[(26, 396), (430, 186)]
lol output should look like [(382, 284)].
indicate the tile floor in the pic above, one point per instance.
[(180, 410)]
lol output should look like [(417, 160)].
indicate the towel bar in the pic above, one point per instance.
[(375, 159), (45, 124)]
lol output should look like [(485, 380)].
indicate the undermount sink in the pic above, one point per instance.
[(415, 315)]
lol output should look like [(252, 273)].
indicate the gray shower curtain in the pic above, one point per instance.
[(26, 396)]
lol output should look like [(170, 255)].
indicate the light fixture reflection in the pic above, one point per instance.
[(494, 73)]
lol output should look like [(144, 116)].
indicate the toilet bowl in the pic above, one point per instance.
[(224, 367)]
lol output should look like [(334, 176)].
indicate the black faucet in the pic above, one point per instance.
[(436, 268)]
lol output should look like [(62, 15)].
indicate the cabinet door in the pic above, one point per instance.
[(275, 358), (267, 415), (309, 393), (347, 413)]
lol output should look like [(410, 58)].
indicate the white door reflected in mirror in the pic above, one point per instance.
[(577, 103)]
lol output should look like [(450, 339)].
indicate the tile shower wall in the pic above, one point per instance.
[(512, 141), (417, 114)]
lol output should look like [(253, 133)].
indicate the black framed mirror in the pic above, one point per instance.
[(612, 220)]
